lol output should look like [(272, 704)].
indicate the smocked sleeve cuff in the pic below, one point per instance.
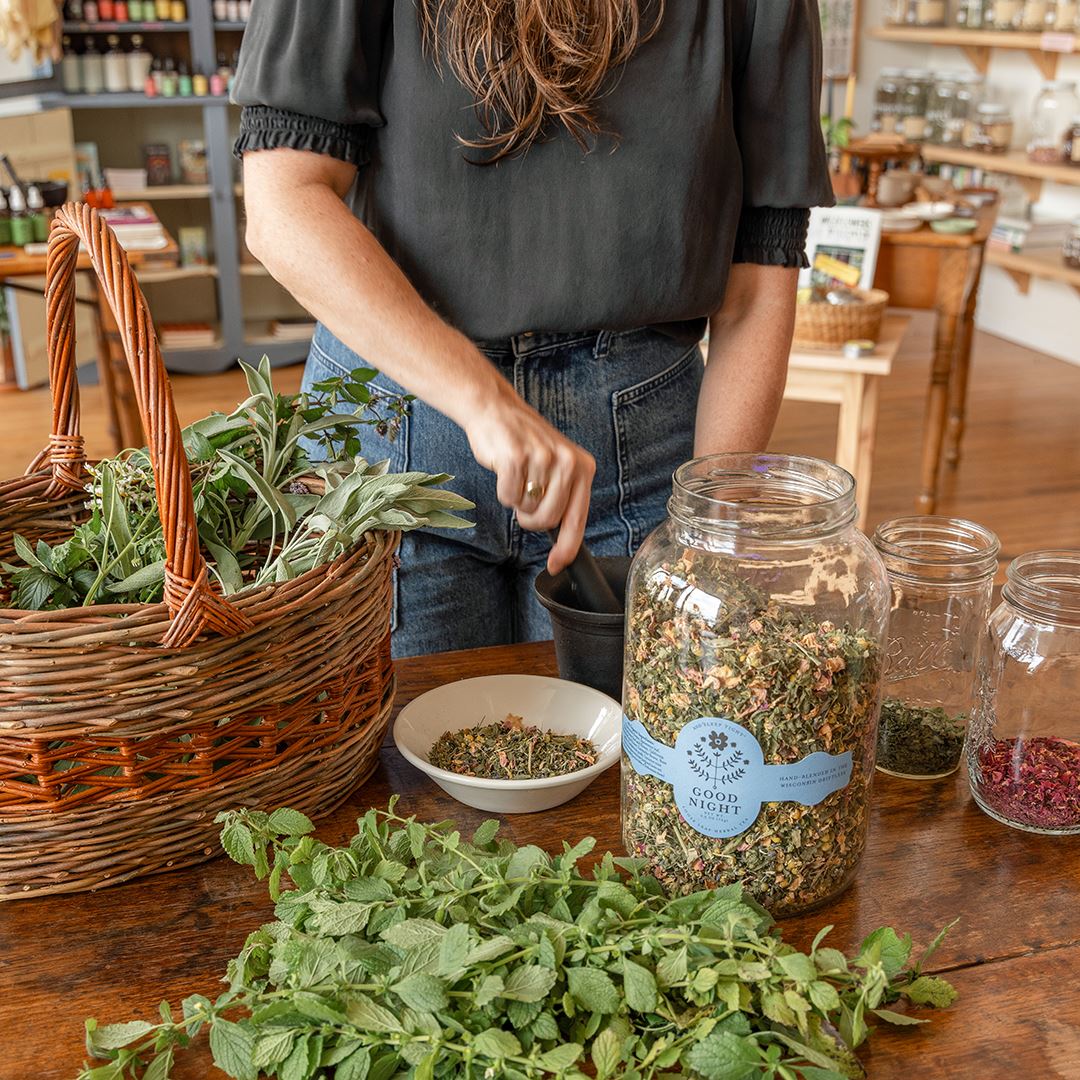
[(771, 236), (265, 128)]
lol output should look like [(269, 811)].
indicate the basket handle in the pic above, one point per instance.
[(193, 605)]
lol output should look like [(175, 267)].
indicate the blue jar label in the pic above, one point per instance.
[(719, 777)]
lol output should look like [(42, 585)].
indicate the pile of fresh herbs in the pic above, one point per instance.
[(414, 952), (279, 488)]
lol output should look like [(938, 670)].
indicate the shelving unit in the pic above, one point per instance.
[(1023, 266), (1043, 49), (226, 276), (1032, 174)]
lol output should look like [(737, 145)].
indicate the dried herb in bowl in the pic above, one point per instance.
[(918, 740), (799, 686), (511, 750)]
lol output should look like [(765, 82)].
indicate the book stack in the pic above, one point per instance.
[(1023, 234), (194, 335), (126, 181), (292, 329), (136, 227)]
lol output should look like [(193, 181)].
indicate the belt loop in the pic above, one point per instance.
[(603, 344)]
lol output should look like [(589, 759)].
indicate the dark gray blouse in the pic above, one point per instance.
[(716, 155)]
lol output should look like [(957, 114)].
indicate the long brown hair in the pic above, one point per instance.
[(532, 63)]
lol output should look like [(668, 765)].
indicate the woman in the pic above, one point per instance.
[(526, 212)]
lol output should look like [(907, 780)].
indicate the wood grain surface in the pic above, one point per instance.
[(932, 856)]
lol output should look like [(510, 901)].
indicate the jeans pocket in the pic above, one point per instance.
[(654, 435), (334, 361)]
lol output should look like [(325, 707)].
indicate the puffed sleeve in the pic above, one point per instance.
[(776, 91), (308, 76)]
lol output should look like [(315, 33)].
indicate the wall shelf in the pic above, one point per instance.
[(1045, 264), (151, 276), (165, 191), (126, 27), (128, 101), (1043, 49), (241, 26)]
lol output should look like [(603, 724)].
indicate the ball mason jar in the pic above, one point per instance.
[(941, 571), (754, 650), (1023, 743)]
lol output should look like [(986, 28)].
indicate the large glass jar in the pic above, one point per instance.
[(992, 129), (969, 14), (754, 649), (930, 12), (943, 110), (914, 99), (1051, 118), (888, 92), (1003, 14), (970, 88), (899, 12), (1064, 16), (942, 575), (1024, 739), (1034, 15)]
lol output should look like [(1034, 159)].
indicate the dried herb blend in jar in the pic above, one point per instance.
[(753, 677), (941, 573)]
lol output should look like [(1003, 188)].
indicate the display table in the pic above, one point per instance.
[(939, 272), (932, 856)]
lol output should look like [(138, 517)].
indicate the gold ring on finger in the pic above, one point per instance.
[(534, 490)]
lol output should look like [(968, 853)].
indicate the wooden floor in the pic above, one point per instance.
[(1019, 475)]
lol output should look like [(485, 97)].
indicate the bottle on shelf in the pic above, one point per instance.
[(106, 10), (221, 10), (232, 11), (170, 80), (105, 194), (138, 65), (157, 75), (93, 69), (136, 12), (115, 65), (163, 10), (71, 69), (5, 220), (74, 12), (216, 85), (183, 80), (38, 215), (232, 71), (22, 229), (90, 11), (245, 10), (120, 11), (178, 11), (200, 85)]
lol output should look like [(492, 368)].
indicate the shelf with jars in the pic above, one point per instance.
[(1046, 264), (1043, 47), (1011, 163)]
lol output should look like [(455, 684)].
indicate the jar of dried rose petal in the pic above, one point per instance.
[(1024, 738)]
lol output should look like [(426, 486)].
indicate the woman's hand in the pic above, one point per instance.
[(543, 476)]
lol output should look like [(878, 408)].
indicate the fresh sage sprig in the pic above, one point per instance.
[(414, 952)]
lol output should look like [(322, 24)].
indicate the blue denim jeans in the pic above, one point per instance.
[(627, 397)]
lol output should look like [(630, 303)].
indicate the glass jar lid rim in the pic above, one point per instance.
[(1046, 582), (918, 73), (975, 546)]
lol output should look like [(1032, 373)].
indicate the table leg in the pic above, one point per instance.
[(856, 427), (954, 432), (952, 297)]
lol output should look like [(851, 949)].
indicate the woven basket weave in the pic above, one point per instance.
[(125, 728), (828, 326)]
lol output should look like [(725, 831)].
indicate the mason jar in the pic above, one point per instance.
[(1003, 14), (1051, 115), (888, 92), (941, 571), (914, 100), (1024, 740), (755, 639), (942, 109), (969, 14)]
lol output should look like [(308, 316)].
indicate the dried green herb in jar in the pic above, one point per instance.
[(919, 740), (511, 750), (798, 685)]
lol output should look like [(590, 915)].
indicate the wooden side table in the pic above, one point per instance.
[(830, 377)]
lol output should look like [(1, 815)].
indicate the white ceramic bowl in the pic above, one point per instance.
[(550, 704), (928, 211)]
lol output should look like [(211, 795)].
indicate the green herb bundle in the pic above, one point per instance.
[(266, 510), (413, 952)]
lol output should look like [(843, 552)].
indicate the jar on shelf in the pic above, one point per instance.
[(1003, 14), (115, 65), (1034, 16), (888, 93), (755, 642), (899, 12), (1024, 740), (970, 90), (969, 14), (93, 69), (943, 110), (913, 103), (930, 13), (1051, 119), (1071, 144), (941, 571), (71, 69), (1064, 16), (992, 130), (1070, 250)]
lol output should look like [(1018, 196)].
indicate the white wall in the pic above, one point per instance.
[(1048, 318)]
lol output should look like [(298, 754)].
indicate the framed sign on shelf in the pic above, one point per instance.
[(839, 34)]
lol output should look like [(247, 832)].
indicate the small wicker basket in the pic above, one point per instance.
[(828, 326), (125, 728)]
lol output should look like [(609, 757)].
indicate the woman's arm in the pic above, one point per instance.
[(749, 343), (340, 273)]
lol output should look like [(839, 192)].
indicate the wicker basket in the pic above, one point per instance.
[(125, 728), (828, 326)]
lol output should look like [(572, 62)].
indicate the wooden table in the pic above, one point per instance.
[(932, 856), (125, 426), (930, 271), (829, 376)]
